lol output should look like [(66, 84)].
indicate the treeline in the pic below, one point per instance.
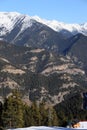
[(14, 113), (70, 109)]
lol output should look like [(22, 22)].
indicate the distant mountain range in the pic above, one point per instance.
[(46, 60), (11, 19)]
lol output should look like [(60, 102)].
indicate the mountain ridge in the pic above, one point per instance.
[(10, 17)]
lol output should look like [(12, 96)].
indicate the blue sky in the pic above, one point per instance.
[(68, 11)]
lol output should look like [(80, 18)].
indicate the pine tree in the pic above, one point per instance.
[(27, 116), (13, 111), (43, 113), (52, 119), (36, 117), (55, 118), (32, 115)]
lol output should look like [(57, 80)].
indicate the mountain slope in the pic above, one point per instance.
[(77, 48), (39, 74)]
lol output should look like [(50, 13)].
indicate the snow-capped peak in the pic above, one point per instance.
[(58, 26), (8, 21), (7, 18)]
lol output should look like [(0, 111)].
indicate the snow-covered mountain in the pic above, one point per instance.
[(8, 20), (58, 26), (23, 30)]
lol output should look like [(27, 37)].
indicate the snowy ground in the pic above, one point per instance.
[(48, 128)]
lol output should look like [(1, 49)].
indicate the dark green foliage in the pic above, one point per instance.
[(16, 114), (12, 114), (52, 119), (71, 108), (38, 115)]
